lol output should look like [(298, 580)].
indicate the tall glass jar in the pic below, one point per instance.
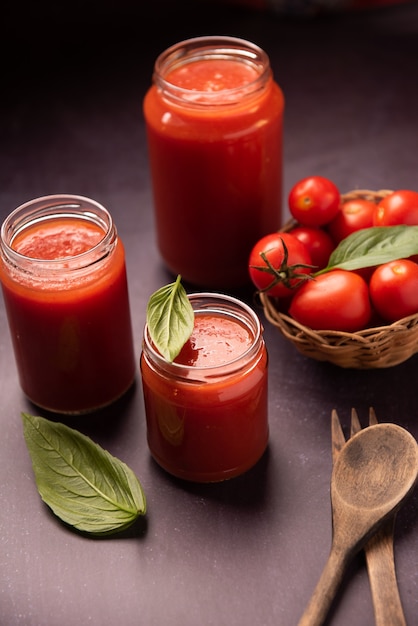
[(214, 118), (65, 289), (206, 412)]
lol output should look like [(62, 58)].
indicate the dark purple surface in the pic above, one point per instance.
[(248, 551)]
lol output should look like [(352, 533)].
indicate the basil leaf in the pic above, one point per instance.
[(374, 246), (170, 319), (82, 483)]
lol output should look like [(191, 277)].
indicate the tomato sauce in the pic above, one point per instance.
[(215, 340), (70, 328), (212, 75), (60, 239), (207, 412), (215, 149)]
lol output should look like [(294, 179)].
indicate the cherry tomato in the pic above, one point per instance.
[(353, 215), (337, 300), (318, 242), (399, 207), (277, 263), (314, 201), (394, 289)]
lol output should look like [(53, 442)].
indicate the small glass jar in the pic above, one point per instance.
[(214, 118), (207, 423), (65, 290)]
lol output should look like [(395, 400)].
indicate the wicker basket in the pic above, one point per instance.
[(372, 348)]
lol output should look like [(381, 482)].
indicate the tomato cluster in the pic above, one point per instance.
[(293, 266)]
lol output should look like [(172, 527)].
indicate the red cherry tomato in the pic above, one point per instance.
[(277, 264), (399, 207), (314, 201), (338, 300), (353, 215), (318, 242), (394, 289)]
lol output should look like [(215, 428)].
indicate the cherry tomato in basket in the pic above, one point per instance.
[(353, 215), (399, 207), (314, 201), (337, 300), (278, 263), (394, 289), (318, 241)]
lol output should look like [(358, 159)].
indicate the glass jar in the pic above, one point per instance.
[(207, 423), (214, 117), (65, 290)]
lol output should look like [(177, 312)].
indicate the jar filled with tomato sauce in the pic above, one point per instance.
[(64, 285), (206, 412), (214, 117)]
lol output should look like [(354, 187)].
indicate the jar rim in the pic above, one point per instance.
[(56, 206), (233, 308), (223, 47)]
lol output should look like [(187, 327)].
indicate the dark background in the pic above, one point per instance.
[(248, 551)]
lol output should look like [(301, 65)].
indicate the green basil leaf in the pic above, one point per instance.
[(374, 246), (170, 319), (83, 484)]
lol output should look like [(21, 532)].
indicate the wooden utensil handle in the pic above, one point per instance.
[(325, 590), (381, 567)]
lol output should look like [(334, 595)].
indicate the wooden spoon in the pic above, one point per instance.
[(375, 471)]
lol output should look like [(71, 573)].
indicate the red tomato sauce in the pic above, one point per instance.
[(213, 75), (72, 341), (58, 240), (209, 427), (215, 340), (216, 171)]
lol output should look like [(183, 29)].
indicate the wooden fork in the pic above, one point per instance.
[(380, 560)]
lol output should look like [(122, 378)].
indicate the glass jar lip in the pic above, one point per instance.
[(243, 313), (198, 48), (51, 207)]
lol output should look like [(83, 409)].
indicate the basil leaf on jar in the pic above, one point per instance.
[(170, 319)]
